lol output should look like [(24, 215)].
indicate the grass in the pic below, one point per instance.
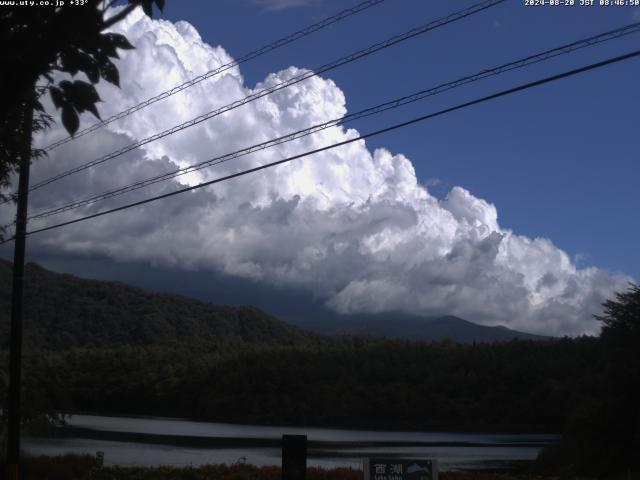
[(84, 467)]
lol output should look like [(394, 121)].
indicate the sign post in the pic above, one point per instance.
[(400, 469), (294, 457)]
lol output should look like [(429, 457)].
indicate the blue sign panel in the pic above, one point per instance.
[(400, 469)]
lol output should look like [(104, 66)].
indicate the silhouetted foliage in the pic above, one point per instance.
[(70, 467), (621, 319), (602, 434), (37, 41), (106, 347), (63, 311), (517, 385)]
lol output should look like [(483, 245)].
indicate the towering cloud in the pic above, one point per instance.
[(353, 226)]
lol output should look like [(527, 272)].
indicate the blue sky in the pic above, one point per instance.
[(352, 231), (559, 162)]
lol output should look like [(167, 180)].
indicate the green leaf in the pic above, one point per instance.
[(107, 47), (82, 95), (109, 72), (147, 6), (74, 98), (70, 119), (68, 63), (57, 97), (92, 108), (119, 41), (89, 66), (75, 60), (65, 85), (86, 91), (93, 73)]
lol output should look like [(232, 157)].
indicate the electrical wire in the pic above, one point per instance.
[(516, 64), (267, 91), (211, 73), (396, 126)]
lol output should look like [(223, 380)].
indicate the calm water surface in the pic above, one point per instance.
[(489, 450)]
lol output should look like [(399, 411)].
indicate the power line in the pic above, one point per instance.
[(523, 62), (422, 118), (264, 92), (211, 73)]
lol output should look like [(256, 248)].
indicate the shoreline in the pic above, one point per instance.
[(232, 442), (368, 427), (85, 466)]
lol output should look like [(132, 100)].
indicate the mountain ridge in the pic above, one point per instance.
[(403, 326), (65, 311)]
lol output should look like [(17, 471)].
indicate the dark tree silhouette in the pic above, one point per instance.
[(602, 433), (35, 42), (621, 319), (621, 350)]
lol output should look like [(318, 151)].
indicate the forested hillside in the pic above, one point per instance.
[(519, 385), (107, 347), (63, 311)]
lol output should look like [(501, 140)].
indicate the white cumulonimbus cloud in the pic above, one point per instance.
[(353, 226)]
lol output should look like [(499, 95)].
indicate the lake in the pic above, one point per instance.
[(168, 441)]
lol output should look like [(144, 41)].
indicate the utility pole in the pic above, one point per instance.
[(15, 355)]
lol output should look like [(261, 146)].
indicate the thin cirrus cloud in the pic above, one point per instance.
[(279, 5), (351, 225)]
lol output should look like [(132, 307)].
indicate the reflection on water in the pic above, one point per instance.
[(126, 453), (171, 426), (499, 449)]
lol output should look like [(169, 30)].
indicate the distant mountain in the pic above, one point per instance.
[(402, 326), (63, 311)]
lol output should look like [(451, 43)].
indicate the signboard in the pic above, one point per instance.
[(400, 469)]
